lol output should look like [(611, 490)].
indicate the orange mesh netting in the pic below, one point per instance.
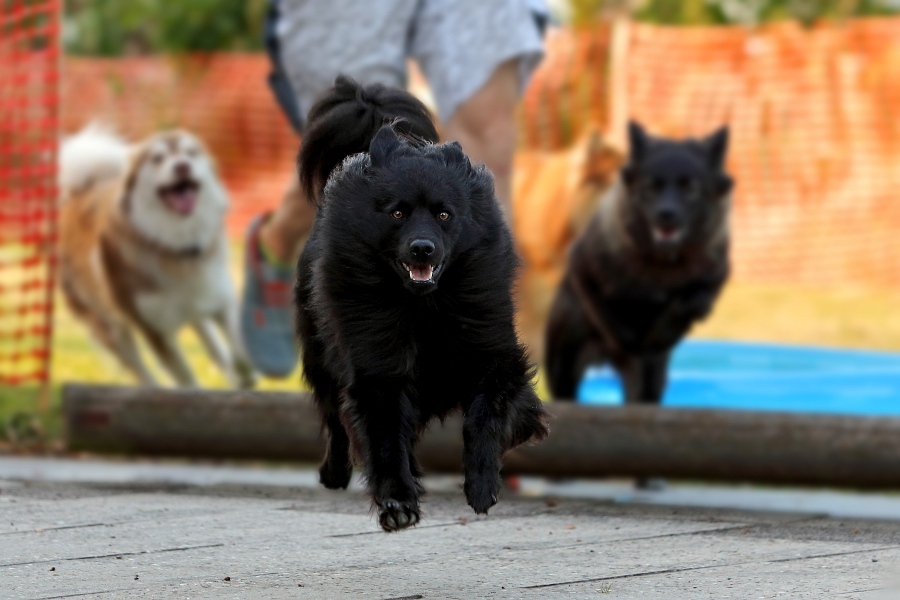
[(223, 98), (29, 56), (815, 150), (815, 138)]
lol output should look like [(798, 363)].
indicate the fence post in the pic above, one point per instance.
[(620, 41)]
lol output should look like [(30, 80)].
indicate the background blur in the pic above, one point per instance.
[(808, 88)]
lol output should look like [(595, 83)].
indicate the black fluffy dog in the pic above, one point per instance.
[(404, 300), (650, 264)]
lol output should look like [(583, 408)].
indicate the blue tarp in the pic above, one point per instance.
[(770, 377)]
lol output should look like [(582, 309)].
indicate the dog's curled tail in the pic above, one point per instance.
[(92, 156), (344, 121)]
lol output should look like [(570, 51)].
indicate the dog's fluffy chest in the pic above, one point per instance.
[(200, 288)]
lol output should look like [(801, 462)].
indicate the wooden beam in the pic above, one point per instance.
[(584, 441)]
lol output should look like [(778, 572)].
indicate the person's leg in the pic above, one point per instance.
[(477, 57), (317, 40), (485, 126), (284, 232)]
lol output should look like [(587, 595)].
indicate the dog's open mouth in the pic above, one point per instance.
[(181, 196), (667, 233), (421, 273)]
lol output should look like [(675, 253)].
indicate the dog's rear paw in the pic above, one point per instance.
[(482, 493), (394, 515), (335, 477)]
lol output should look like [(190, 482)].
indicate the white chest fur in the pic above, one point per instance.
[(200, 288)]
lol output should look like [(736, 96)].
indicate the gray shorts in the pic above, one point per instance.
[(457, 43)]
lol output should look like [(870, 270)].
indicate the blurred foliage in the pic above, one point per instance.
[(721, 12), (117, 27)]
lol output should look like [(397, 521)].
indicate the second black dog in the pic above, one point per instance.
[(404, 301), (650, 264)]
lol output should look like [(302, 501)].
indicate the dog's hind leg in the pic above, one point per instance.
[(336, 469), (114, 334), (570, 348), (227, 357), (567, 364), (215, 347), (385, 426), (229, 323)]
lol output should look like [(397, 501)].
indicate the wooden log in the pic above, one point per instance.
[(584, 441)]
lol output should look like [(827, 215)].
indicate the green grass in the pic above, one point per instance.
[(78, 358)]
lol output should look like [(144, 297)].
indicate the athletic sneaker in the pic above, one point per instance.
[(267, 313)]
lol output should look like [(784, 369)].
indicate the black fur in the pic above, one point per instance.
[(344, 121), (650, 264), (386, 354)]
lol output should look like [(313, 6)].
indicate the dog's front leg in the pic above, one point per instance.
[(386, 432), (239, 368), (483, 434), (215, 348), (165, 345), (504, 413)]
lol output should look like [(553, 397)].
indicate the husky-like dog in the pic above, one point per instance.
[(143, 248)]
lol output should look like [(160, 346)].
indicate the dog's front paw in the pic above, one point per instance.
[(394, 515), (481, 491)]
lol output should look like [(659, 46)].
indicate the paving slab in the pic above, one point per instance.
[(143, 538)]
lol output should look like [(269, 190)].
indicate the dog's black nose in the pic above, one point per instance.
[(421, 249), (183, 169), (667, 216)]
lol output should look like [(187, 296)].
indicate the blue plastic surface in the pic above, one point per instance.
[(745, 376)]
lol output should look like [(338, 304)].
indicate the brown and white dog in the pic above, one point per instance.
[(143, 248)]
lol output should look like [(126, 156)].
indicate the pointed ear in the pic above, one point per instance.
[(454, 154), (638, 140), (383, 145), (716, 146), (724, 183), (137, 154)]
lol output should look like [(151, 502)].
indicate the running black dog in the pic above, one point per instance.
[(404, 301), (650, 264)]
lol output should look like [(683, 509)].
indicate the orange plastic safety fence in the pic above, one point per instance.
[(815, 133), (223, 98), (816, 141), (29, 105)]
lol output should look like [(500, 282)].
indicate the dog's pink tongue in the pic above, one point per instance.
[(182, 201), (421, 272)]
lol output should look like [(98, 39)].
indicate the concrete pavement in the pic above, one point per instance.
[(187, 531)]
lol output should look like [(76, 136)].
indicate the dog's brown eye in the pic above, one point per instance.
[(443, 215), (397, 214), (156, 158)]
